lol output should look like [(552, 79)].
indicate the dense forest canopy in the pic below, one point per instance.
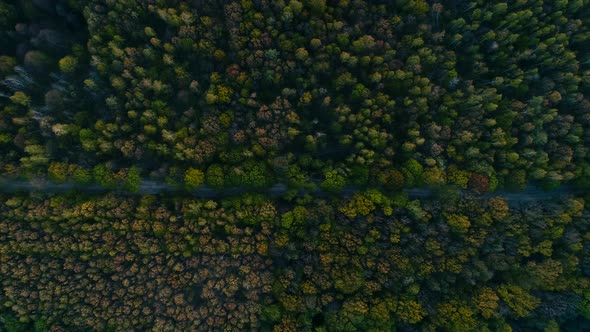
[(294, 165)]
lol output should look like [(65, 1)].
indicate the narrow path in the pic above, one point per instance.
[(151, 187)]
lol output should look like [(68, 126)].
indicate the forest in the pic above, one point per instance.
[(294, 165)]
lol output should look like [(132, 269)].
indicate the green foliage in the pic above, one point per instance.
[(434, 176), (392, 179), (58, 172), (364, 44), (294, 218), (193, 178), (271, 313), (520, 302), (359, 175), (410, 311), (224, 94), (11, 324), (350, 283), (456, 316), (552, 326), (317, 7), (7, 16), (68, 64), (584, 177), (345, 80), (516, 181), (351, 160), (7, 64), (359, 205), (82, 176), (215, 176), (252, 174), (334, 181), (133, 180), (458, 223), (334, 259), (20, 98), (584, 305), (486, 301), (413, 171), (458, 177), (41, 326), (104, 176)]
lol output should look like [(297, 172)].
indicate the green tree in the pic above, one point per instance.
[(20, 98), (414, 7), (486, 301), (193, 178), (364, 44), (133, 180), (104, 176), (12, 324), (317, 7), (521, 302), (41, 326), (7, 64), (413, 171), (82, 176), (58, 172), (458, 223), (359, 175), (434, 176), (271, 313), (68, 64), (410, 311), (516, 181), (334, 182), (359, 204), (349, 283), (8, 16), (392, 179), (456, 316), (215, 177)]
